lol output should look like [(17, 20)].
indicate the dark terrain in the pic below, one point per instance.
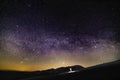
[(107, 71)]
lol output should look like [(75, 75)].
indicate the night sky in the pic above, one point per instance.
[(44, 34)]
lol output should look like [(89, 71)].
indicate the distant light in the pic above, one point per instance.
[(71, 71)]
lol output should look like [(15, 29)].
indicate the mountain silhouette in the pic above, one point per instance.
[(106, 71), (15, 75)]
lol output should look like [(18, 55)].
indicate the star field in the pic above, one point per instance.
[(39, 35)]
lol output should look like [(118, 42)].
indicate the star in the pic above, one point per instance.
[(112, 8), (28, 5), (95, 46), (26, 59), (17, 26), (21, 62)]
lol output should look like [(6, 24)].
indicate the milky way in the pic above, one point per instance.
[(31, 40), (42, 51)]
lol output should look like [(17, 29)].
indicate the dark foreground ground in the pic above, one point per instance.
[(107, 71)]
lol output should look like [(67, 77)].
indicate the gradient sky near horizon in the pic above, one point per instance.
[(44, 34)]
